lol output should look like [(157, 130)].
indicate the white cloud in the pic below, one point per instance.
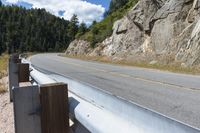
[(86, 11), (12, 1)]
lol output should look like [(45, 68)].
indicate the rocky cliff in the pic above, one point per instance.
[(153, 30)]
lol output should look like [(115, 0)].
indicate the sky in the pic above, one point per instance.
[(86, 10)]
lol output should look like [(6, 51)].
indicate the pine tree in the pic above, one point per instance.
[(74, 20), (81, 30), (73, 27)]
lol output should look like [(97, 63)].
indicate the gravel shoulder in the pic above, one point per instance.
[(6, 114)]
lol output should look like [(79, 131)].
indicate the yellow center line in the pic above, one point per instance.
[(127, 76)]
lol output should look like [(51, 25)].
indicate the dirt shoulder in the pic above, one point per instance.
[(6, 110), (6, 114), (174, 67)]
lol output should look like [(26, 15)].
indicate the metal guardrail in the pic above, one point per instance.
[(37, 108), (101, 112)]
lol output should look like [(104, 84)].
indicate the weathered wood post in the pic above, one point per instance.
[(54, 109), (13, 73), (27, 109), (37, 109), (23, 72)]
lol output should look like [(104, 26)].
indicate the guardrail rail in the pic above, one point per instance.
[(44, 103)]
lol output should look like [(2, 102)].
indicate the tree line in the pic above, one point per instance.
[(35, 30)]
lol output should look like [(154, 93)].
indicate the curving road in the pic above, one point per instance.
[(174, 95)]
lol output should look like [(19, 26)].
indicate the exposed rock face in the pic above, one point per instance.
[(154, 29), (190, 53), (78, 47)]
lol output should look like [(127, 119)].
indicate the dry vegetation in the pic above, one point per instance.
[(2, 88), (3, 71), (175, 67)]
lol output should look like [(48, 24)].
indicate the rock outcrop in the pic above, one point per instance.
[(153, 30), (78, 47)]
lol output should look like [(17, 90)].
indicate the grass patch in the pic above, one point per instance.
[(3, 71), (175, 67), (3, 65), (2, 88)]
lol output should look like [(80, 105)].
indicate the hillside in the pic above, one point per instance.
[(99, 31), (34, 30), (153, 31)]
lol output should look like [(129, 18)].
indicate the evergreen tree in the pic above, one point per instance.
[(73, 27), (1, 3), (74, 20), (94, 22), (81, 30)]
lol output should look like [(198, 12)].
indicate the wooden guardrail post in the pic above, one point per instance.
[(27, 109), (13, 73), (54, 109), (23, 72), (37, 109)]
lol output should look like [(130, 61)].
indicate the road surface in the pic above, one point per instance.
[(174, 95)]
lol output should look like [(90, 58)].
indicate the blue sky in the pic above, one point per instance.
[(104, 3), (87, 10)]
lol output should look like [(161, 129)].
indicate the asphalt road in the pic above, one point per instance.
[(174, 95)]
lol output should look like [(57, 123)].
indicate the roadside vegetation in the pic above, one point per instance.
[(175, 67), (3, 71)]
